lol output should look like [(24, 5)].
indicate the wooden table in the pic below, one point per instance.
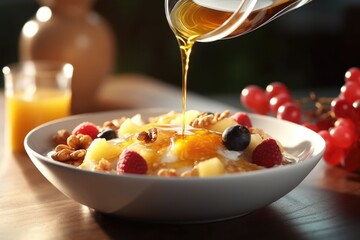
[(326, 205)]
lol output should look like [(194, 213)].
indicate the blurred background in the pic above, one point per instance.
[(310, 47)]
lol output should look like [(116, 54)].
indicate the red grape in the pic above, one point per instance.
[(255, 99), (351, 91), (328, 139), (341, 108), (335, 156), (276, 88), (289, 111), (278, 100), (325, 135), (345, 122), (342, 136), (353, 75)]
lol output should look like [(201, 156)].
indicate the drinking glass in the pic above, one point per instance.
[(211, 20), (35, 92)]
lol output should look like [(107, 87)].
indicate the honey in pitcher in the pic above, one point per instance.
[(190, 19)]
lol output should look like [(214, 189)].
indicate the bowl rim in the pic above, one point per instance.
[(32, 153)]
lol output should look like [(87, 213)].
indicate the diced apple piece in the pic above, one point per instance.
[(131, 125), (223, 124), (255, 140), (136, 119), (100, 148), (210, 167), (128, 127)]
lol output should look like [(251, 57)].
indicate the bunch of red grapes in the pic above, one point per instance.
[(337, 119)]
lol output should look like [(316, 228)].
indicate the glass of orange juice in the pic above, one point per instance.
[(35, 92)]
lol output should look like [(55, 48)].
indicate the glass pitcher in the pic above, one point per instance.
[(211, 20)]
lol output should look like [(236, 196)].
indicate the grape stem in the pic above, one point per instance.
[(316, 107)]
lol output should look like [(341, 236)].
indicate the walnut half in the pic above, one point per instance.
[(74, 151), (203, 120), (148, 137)]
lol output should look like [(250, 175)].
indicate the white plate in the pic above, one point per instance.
[(152, 198)]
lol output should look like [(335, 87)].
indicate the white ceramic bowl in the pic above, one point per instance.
[(154, 198)]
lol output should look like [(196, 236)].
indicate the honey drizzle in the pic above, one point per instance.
[(185, 45)]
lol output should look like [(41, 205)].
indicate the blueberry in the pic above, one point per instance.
[(236, 138), (107, 134)]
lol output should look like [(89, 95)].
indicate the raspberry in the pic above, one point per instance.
[(242, 118), (267, 154), (86, 128), (131, 162)]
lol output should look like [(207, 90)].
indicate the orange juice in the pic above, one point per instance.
[(26, 111)]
